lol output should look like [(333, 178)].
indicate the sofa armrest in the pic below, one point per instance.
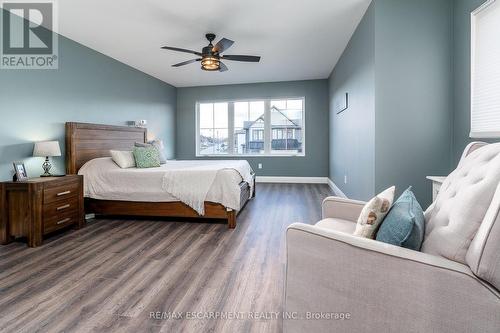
[(342, 208), (382, 287)]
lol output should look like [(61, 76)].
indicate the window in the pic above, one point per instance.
[(214, 129), (256, 127), (248, 123), (485, 71), (286, 123)]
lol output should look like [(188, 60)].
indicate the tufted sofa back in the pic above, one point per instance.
[(469, 196)]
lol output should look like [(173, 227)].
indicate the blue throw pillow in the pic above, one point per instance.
[(404, 224)]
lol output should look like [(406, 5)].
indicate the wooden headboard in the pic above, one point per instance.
[(85, 142)]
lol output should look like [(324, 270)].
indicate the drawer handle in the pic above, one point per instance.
[(64, 221), (63, 193), (63, 207)]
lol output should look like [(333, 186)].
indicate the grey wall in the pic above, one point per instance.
[(461, 81), (405, 46), (314, 164), (413, 50), (352, 133), (87, 87)]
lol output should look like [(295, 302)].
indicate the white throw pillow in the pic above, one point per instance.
[(373, 213), (124, 159)]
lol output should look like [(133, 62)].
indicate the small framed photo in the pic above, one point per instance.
[(20, 170)]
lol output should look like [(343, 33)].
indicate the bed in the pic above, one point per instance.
[(111, 191)]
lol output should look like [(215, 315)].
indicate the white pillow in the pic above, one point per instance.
[(373, 213), (124, 159)]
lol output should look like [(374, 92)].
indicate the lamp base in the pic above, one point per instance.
[(46, 166)]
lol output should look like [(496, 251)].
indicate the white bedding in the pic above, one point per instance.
[(104, 180)]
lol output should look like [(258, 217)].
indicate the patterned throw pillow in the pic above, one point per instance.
[(159, 145), (373, 213), (146, 157)]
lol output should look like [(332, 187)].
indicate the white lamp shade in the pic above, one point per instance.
[(46, 148)]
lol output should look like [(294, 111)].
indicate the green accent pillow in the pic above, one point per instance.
[(146, 157), (404, 225)]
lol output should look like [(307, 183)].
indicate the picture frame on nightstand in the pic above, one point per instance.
[(20, 171)]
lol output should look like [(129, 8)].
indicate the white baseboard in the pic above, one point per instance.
[(338, 192), (292, 180)]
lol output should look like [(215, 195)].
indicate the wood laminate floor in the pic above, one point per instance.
[(111, 275)]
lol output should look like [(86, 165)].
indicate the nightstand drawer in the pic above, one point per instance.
[(59, 207), (62, 192), (59, 221)]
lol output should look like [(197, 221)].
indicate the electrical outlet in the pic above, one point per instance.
[(345, 179), (260, 165)]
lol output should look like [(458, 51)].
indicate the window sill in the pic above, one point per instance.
[(256, 155), (484, 135)]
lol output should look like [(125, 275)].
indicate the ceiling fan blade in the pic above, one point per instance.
[(186, 62), (222, 45), (222, 67), (246, 58), (180, 50)]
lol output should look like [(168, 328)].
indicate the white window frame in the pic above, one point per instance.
[(477, 133), (267, 127)]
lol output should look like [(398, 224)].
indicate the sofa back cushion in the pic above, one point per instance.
[(461, 204), (483, 256)]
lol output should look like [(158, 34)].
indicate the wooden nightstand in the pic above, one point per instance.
[(39, 206)]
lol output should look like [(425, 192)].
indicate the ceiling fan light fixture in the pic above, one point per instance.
[(211, 55), (210, 63)]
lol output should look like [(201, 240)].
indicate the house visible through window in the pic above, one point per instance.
[(257, 127), (485, 71)]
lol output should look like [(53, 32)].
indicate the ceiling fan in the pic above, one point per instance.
[(211, 55)]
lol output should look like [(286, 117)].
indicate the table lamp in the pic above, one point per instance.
[(46, 149)]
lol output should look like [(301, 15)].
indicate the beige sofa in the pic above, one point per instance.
[(336, 282)]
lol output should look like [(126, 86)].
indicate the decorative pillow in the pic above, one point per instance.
[(147, 157), (373, 213), (404, 224), (158, 144), (124, 159)]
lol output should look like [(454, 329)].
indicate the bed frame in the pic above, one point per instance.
[(85, 142)]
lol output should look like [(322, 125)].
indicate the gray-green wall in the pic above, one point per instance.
[(87, 87), (411, 51), (352, 132), (314, 164)]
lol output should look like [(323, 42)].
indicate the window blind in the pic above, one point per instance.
[(485, 71)]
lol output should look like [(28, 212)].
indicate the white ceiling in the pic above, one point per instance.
[(297, 39)]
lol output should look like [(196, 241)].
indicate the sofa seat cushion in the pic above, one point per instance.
[(337, 225)]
